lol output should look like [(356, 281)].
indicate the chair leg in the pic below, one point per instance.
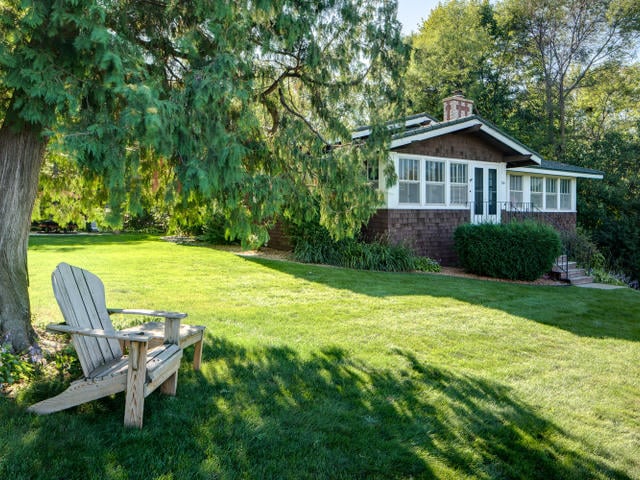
[(170, 385), (197, 354), (136, 375)]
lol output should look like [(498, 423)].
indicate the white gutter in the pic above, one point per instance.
[(557, 173)]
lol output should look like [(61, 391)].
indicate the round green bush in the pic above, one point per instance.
[(515, 251)]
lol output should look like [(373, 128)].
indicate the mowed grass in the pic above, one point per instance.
[(320, 372)]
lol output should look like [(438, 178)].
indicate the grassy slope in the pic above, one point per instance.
[(318, 372)]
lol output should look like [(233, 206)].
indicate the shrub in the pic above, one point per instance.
[(214, 231), (313, 244), (602, 276), (516, 251), (581, 249), (426, 264)]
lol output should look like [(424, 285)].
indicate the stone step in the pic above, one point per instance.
[(581, 280), (576, 272)]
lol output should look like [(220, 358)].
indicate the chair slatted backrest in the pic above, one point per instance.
[(80, 295)]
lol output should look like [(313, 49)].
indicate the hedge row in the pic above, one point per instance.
[(516, 251)]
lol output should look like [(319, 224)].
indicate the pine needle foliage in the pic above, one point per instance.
[(242, 103)]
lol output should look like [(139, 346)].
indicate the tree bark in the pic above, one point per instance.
[(21, 156)]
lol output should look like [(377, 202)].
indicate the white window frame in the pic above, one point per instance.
[(440, 184), (460, 186), (539, 193), (567, 195), (519, 201), (392, 195), (409, 181), (551, 196)]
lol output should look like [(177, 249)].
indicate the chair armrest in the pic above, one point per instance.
[(147, 313), (128, 336)]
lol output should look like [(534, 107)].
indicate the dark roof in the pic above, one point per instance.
[(414, 129), (563, 167), (437, 126)]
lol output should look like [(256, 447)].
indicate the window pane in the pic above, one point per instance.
[(459, 194), (516, 198), (409, 180), (409, 192), (565, 194), (515, 183), (409, 169), (435, 193), (551, 199), (458, 173), (435, 171), (458, 189), (536, 184), (536, 199), (516, 195), (552, 185)]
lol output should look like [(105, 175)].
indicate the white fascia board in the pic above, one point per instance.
[(401, 142), (556, 173), (510, 143)]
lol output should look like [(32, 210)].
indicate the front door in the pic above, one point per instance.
[(484, 208)]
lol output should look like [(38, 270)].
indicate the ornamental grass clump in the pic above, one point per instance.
[(313, 244), (515, 251)]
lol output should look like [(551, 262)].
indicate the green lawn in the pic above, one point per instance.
[(320, 372)]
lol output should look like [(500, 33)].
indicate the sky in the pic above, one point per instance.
[(411, 13)]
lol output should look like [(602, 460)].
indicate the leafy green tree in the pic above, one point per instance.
[(610, 209), (609, 101), (457, 48), (559, 44), (249, 104)]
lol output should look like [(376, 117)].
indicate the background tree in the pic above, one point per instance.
[(609, 101), (244, 101), (560, 43), (457, 48)]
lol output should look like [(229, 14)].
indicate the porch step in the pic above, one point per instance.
[(580, 280), (574, 275)]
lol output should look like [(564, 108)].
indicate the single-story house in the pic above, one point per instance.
[(466, 170)]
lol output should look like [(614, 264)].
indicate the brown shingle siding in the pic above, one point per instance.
[(459, 145)]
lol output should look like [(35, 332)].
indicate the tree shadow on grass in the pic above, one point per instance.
[(584, 312), (268, 412)]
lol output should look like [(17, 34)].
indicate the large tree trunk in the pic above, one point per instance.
[(21, 155)]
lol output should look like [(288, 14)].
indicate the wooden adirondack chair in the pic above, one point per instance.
[(81, 297)]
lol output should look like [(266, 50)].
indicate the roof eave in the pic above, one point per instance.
[(456, 126), (559, 173)]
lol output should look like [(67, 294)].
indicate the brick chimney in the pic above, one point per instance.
[(457, 106)]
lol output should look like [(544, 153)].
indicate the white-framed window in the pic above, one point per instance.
[(434, 182), (516, 191), (537, 190), (409, 180), (458, 179), (565, 194), (551, 195)]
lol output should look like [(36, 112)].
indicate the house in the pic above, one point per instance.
[(466, 170)]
